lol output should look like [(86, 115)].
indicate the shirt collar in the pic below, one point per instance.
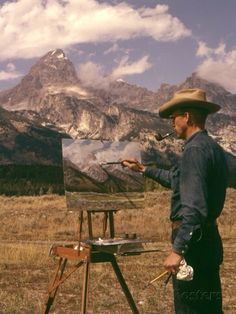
[(193, 136)]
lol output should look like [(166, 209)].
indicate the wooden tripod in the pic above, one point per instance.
[(84, 254)]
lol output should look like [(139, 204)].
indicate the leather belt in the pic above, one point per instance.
[(177, 223)]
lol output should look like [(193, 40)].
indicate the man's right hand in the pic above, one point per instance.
[(133, 164)]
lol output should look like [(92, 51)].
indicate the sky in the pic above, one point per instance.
[(144, 42)]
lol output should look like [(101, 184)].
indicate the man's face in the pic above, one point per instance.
[(179, 123)]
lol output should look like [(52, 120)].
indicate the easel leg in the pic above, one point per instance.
[(57, 277), (124, 286), (85, 288)]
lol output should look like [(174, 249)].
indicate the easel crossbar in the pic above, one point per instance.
[(59, 282), (93, 257)]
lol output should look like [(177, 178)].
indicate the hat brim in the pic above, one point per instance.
[(175, 104)]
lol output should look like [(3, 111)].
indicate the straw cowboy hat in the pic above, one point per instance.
[(188, 98)]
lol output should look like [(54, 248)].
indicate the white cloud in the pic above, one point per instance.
[(93, 74), (129, 68), (29, 28), (11, 67), (205, 51), (113, 48), (10, 73), (218, 66)]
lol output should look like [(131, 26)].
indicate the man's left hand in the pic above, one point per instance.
[(172, 262)]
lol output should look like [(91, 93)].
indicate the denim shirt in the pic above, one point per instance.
[(198, 184)]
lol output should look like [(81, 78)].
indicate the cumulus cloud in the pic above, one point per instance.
[(218, 65), (10, 73), (129, 68), (205, 51), (29, 28), (93, 74)]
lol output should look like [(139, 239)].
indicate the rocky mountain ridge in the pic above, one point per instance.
[(52, 97), (53, 80), (215, 93), (25, 142), (51, 71), (53, 90)]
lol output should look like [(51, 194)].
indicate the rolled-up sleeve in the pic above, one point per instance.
[(194, 168)]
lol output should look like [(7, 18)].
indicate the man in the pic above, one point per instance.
[(198, 184)]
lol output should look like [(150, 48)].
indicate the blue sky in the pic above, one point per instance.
[(143, 42)]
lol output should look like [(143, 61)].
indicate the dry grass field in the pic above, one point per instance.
[(29, 225)]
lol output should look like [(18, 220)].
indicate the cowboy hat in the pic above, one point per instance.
[(188, 98)]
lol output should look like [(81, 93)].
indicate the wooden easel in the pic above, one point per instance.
[(84, 254)]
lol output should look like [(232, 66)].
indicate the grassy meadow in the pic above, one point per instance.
[(29, 225)]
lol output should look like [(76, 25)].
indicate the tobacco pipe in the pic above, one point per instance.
[(160, 137)]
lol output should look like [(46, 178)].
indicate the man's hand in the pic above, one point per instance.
[(172, 262), (133, 164)]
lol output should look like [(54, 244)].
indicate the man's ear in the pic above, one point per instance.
[(188, 118)]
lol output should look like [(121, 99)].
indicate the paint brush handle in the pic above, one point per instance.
[(158, 277), (120, 162)]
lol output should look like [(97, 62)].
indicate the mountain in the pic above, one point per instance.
[(53, 90), (30, 158), (215, 93), (25, 142), (141, 98), (51, 71), (220, 125), (121, 92), (51, 98)]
